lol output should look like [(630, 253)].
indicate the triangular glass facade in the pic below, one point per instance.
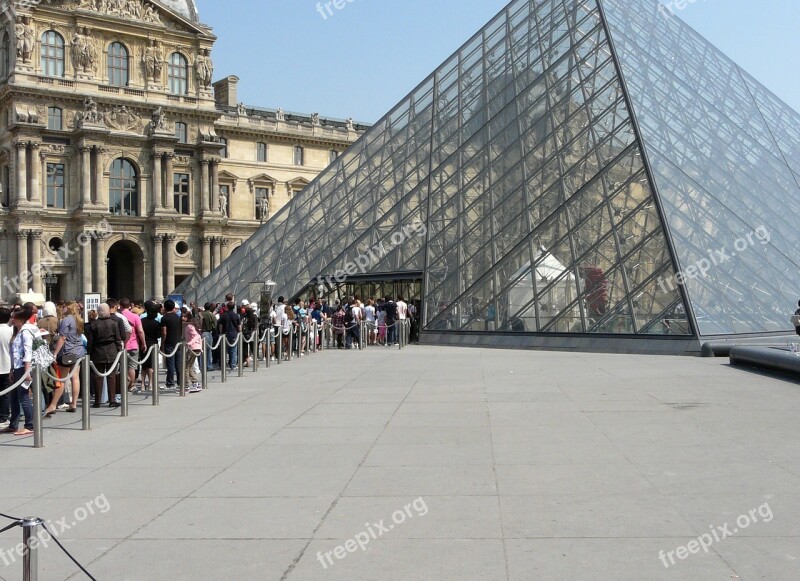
[(566, 162)]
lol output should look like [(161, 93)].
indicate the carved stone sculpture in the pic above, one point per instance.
[(205, 69), (315, 119), (280, 115), (84, 52), (153, 61), (223, 204), (158, 121), (90, 114), (26, 38), (122, 118)]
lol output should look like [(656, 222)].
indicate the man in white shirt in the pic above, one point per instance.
[(6, 332), (402, 308)]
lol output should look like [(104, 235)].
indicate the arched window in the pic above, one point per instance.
[(181, 132), (52, 54), (178, 74), (123, 190), (117, 65), (55, 119), (5, 46)]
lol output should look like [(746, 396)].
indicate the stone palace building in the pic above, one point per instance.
[(124, 168)]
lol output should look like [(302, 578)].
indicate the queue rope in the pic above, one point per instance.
[(110, 371), (15, 386)]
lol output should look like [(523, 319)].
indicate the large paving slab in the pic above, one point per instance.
[(430, 463)]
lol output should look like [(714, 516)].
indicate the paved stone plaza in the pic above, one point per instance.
[(493, 464)]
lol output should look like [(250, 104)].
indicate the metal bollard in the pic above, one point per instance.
[(316, 336), (254, 338), (279, 347), (291, 341), (308, 338), (36, 387), (182, 369), (123, 384), (154, 385), (204, 366), (30, 551), (223, 360), (85, 391)]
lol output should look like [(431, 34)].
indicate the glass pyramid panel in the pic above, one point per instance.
[(724, 155)]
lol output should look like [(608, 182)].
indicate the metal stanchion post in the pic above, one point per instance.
[(291, 341), (316, 336), (322, 337), (37, 406), (279, 346), (240, 351), (85, 391), (30, 551), (154, 384), (398, 331), (269, 344), (123, 384), (204, 366), (182, 353), (307, 336), (256, 349), (223, 360)]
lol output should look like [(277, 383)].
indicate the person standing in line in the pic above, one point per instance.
[(193, 345), (369, 317), (104, 343), (21, 357), (391, 321), (171, 333), (135, 346), (338, 324), (230, 325), (6, 335), (69, 349), (151, 329), (207, 324), (48, 326)]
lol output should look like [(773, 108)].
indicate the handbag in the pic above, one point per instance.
[(67, 359), (795, 320), (41, 354)]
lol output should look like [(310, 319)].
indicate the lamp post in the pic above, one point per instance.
[(50, 280)]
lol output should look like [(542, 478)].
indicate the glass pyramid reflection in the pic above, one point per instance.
[(571, 169)]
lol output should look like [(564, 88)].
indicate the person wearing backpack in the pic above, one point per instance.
[(207, 324), (352, 318)]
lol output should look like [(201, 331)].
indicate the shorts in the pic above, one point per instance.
[(133, 358), (148, 363)]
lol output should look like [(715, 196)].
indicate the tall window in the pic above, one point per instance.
[(52, 54), (5, 47), (180, 188), (55, 119), (261, 152), (178, 74), (333, 155), (123, 191), (181, 132), (56, 197), (299, 155), (262, 203), (117, 65), (224, 143)]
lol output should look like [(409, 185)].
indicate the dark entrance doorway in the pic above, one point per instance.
[(126, 271)]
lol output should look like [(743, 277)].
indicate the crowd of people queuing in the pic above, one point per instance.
[(144, 331)]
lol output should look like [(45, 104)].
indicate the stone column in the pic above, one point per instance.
[(36, 176), (22, 259), (225, 246), (205, 268), (85, 241), (157, 182), (43, 165), (205, 186), (216, 251), (169, 269), (36, 260), (167, 201), (158, 271), (22, 173), (86, 178), (214, 193), (102, 264), (97, 186)]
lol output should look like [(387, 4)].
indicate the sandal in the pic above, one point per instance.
[(23, 432)]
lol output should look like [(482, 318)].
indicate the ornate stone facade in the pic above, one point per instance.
[(123, 168)]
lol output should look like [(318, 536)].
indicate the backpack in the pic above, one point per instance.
[(391, 312), (348, 315)]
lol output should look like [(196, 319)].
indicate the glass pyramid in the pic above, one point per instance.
[(573, 170)]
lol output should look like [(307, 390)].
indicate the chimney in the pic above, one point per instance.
[(225, 92)]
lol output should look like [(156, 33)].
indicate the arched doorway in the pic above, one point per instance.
[(126, 271)]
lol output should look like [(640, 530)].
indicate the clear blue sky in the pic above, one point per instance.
[(362, 60)]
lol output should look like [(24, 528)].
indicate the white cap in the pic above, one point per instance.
[(245, 302)]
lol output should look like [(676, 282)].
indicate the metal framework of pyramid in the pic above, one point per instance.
[(589, 173)]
